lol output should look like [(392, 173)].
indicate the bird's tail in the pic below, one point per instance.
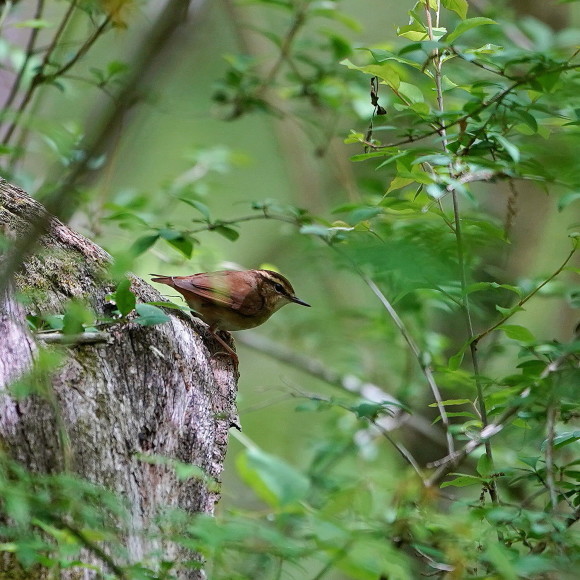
[(162, 279)]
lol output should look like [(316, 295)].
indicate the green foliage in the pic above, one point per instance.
[(47, 519)]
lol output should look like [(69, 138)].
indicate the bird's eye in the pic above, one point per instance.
[(279, 288)]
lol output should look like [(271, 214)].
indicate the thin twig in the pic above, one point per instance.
[(404, 452), (426, 368), (28, 53), (332, 562), (297, 24), (525, 299), (41, 77), (512, 208), (83, 49), (348, 383), (497, 98), (248, 218), (550, 434), (93, 547), (72, 339), (35, 80), (445, 464), (169, 19)]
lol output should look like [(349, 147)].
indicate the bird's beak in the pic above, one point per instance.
[(298, 301)]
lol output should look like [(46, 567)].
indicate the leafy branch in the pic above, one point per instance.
[(462, 120), (42, 76), (517, 307)]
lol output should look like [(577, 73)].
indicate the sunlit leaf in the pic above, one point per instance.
[(462, 481), (458, 6), (466, 25), (384, 71), (517, 332)]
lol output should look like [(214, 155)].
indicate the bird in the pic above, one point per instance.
[(233, 299)]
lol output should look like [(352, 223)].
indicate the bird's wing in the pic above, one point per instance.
[(227, 288)]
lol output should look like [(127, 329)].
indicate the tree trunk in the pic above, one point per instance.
[(146, 390)]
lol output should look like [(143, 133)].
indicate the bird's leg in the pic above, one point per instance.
[(229, 351)]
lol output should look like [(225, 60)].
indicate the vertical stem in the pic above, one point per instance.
[(27, 56), (39, 76), (437, 66)]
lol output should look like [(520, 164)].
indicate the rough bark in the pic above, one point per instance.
[(147, 390)]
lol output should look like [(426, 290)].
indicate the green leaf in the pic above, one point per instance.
[(368, 410), (169, 234), (466, 25), (274, 480), (227, 232), (451, 402), (567, 199), (370, 155), (462, 481), (508, 311), (54, 321), (180, 241), (531, 461), (517, 332), (124, 298), (528, 119), (456, 360), (184, 244), (509, 147), (381, 55), (200, 207), (415, 31), (386, 72), (485, 49), (413, 93), (142, 244), (484, 466), (150, 315), (458, 6), (354, 137), (477, 286), (116, 67), (315, 230), (77, 315), (399, 183), (499, 556), (563, 439)]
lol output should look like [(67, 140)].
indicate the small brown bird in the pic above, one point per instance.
[(231, 299)]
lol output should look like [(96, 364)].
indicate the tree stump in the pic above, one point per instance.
[(144, 390)]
